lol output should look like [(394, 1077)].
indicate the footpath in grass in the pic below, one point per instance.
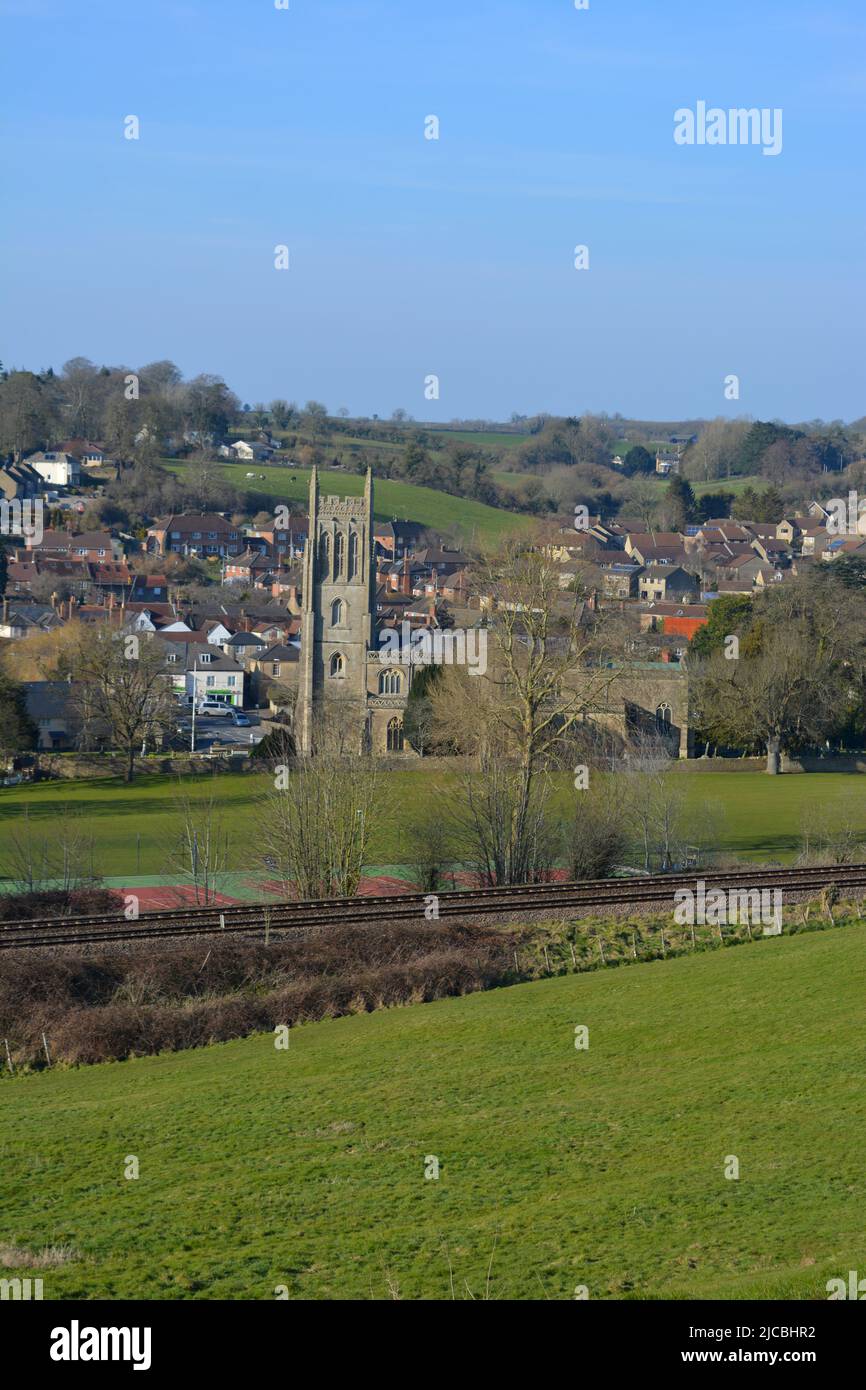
[(313, 1167)]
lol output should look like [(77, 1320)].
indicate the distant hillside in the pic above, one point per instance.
[(457, 516)]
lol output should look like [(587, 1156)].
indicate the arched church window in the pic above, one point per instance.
[(395, 735), (390, 683), (339, 543), (338, 666), (663, 716), (353, 555), (338, 609), (325, 555)]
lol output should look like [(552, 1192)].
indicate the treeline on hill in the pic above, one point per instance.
[(141, 415)]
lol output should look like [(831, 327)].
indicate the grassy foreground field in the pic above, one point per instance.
[(754, 815), (305, 1168)]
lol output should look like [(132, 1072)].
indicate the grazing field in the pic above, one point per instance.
[(304, 1169), (751, 815), (471, 522)]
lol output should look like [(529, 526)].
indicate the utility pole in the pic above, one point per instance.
[(194, 701)]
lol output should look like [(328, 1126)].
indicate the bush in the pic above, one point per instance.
[(118, 1004)]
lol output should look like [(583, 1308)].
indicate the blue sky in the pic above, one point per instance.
[(410, 257)]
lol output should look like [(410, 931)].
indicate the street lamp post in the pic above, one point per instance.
[(194, 700)]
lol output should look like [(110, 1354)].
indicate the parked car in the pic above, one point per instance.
[(214, 707), (240, 720)]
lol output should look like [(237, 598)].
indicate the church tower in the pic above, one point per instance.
[(339, 587)]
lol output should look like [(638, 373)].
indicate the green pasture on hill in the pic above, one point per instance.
[(558, 1169), (471, 522), (748, 814)]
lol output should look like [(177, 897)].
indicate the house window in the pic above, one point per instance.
[(337, 666), (395, 736), (172, 657), (390, 683), (337, 609), (209, 680), (275, 667)]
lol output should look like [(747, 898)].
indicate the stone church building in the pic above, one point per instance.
[(342, 680)]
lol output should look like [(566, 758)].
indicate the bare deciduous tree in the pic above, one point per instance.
[(198, 852), (548, 669), (123, 686), (61, 859), (317, 822)]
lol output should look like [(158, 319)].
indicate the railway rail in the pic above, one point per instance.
[(278, 918)]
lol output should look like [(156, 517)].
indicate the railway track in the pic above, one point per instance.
[(275, 919)]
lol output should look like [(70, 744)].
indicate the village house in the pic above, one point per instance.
[(671, 619), (49, 707), (57, 468), (94, 546), (201, 671), (395, 539), (195, 533), (18, 481), (88, 453), (247, 567), (24, 619), (250, 451), (660, 584), (620, 581), (280, 543)]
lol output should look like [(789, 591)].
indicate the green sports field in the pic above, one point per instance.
[(558, 1169), (752, 815)]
